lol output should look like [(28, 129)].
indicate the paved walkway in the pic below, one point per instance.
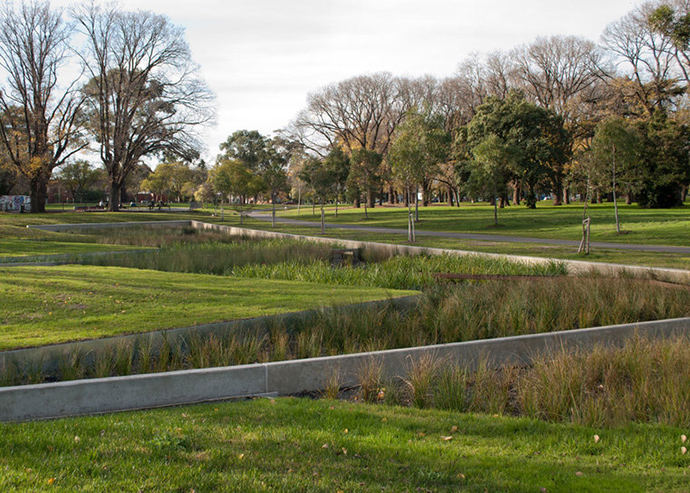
[(477, 237)]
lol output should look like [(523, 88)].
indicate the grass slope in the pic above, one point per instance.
[(303, 445), (45, 305)]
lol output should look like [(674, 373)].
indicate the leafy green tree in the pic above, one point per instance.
[(337, 164), (248, 146), (78, 177), (273, 173), (8, 177), (665, 165), (673, 24), (236, 182), (365, 175), (171, 178), (616, 151), (266, 158), (490, 169), (420, 145), (321, 178), (539, 143)]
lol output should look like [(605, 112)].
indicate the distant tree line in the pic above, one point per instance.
[(556, 117)]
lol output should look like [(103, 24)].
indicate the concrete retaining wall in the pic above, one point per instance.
[(185, 387)]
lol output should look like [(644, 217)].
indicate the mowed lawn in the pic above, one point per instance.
[(328, 446), (18, 249), (46, 305), (643, 226)]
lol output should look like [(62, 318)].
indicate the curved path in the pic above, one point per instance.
[(478, 237)]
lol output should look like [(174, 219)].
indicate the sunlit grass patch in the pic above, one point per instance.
[(44, 305), (306, 445)]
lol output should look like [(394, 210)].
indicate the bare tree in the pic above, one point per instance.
[(500, 73), (647, 55), (39, 122), (357, 113), (144, 96), (555, 70)]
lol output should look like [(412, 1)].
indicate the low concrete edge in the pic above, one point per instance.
[(135, 392)]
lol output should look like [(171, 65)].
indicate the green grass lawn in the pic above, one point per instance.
[(45, 305), (15, 248), (643, 226), (304, 445)]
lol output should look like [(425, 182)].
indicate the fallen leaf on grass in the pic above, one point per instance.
[(325, 445), (683, 439), (447, 439), (578, 473), (683, 450), (453, 429), (596, 438)]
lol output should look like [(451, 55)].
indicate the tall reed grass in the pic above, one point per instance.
[(218, 258), (643, 381), (400, 272)]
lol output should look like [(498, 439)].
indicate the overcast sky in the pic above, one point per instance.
[(263, 57)]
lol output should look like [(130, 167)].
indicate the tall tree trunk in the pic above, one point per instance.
[(416, 204), (114, 195), (38, 191), (557, 185), (613, 188), (516, 193), (566, 196), (426, 193)]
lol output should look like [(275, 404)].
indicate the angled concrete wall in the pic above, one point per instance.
[(288, 377)]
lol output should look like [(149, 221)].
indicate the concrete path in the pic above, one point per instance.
[(477, 237)]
